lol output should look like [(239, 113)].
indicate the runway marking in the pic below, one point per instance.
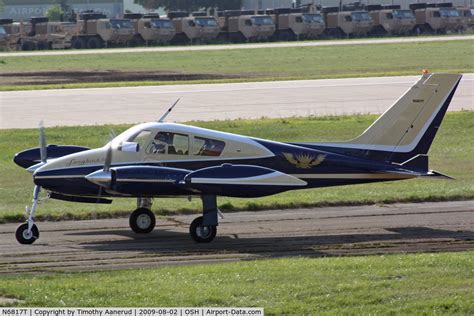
[(244, 46)]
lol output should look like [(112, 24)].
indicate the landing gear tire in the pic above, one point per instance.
[(142, 221), (200, 233), (24, 237)]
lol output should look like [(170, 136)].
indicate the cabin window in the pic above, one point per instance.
[(436, 14), (389, 16), (299, 19), (207, 147), (191, 23), (347, 18), (248, 22), (147, 25), (169, 143), (141, 139)]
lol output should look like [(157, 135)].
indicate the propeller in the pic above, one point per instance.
[(42, 143), (103, 178), (42, 148)]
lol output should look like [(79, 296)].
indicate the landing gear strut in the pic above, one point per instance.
[(204, 228), (28, 232), (142, 220)]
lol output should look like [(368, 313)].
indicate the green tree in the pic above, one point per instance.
[(54, 13), (190, 5)]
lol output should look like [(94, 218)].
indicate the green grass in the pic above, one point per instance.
[(268, 63), (415, 284), (451, 153)]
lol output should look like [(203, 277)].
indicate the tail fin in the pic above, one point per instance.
[(409, 126)]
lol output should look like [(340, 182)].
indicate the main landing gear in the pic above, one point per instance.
[(203, 229), (27, 233), (142, 220)]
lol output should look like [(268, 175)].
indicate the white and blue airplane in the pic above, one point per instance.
[(161, 159)]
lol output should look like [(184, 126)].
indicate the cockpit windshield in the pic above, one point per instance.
[(361, 16), (449, 12), (121, 24), (162, 24), (313, 18), (262, 20), (2, 31), (403, 14), (205, 22)]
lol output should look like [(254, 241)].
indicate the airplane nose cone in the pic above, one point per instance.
[(100, 177)]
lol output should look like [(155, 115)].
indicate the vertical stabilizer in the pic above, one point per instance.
[(411, 123)]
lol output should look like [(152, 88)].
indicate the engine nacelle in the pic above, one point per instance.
[(32, 156), (141, 180)]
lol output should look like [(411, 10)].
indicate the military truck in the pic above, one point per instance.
[(197, 27), (467, 15), (346, 23), (4, 39), (390, 19), (10, 34), (42, 34), (436, 17), (295, 24), (95, 30), (150, 29), (245, 26)]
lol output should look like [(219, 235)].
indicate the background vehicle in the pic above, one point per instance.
[(390, 19), (467, 15), (43, 34), (245, 26), (436, 17), (150, 29), (346, 23), (96, 31), (295, 24), (197, 27), (4, 39)]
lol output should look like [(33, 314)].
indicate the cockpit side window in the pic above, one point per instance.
[(169, 143), (141, 139), (207, 147)]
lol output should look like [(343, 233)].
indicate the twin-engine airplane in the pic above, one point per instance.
[(162, 159)]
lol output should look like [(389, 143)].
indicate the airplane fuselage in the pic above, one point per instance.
[(314, 168)]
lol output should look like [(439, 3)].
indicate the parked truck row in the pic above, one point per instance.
[(95, 30)]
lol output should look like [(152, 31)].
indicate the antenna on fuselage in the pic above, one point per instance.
[(168, 112)]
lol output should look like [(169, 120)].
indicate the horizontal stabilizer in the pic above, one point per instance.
[(419, 162)]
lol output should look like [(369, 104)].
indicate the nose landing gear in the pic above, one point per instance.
[(27, 233)]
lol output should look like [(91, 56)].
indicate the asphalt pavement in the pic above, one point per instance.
[(98, 245), (70, 107)]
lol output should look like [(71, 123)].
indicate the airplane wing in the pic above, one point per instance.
[(226, 180)]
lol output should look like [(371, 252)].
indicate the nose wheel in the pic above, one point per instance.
[(27, 236), (202, 233), (142, 221)]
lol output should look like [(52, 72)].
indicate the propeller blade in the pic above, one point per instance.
[(108, 159), (42, 143)]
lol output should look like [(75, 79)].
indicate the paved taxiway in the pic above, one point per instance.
[(24, 109), (109, 244), (402, 40)]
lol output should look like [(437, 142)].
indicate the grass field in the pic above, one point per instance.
[(415, 284), (451, 153), (259, 64)]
